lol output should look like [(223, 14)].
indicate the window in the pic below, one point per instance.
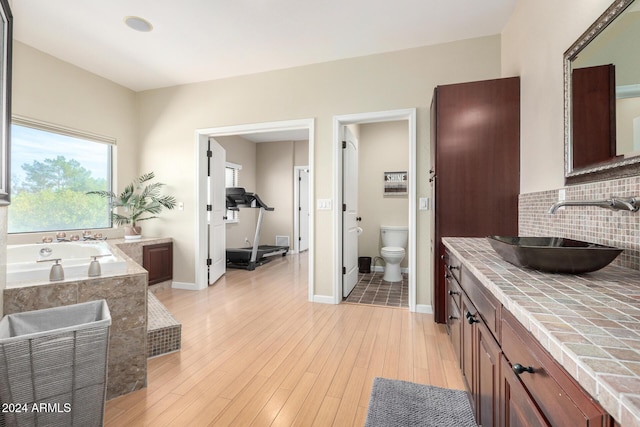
[(231, 172), (51, 170)]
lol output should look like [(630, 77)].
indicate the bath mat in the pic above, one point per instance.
[(401, 403)]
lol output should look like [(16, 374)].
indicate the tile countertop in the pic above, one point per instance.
[(590, 323)]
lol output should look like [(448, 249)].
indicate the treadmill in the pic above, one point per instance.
[(251, 257)]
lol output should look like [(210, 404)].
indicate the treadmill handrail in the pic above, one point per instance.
[(238, 197)]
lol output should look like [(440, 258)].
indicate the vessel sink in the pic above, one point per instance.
[(553, 254)]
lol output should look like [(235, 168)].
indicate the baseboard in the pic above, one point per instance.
[(424, 308), (323, 299), (185, 285)]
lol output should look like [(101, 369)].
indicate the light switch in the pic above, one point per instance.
[(424, 204), (323, 204)]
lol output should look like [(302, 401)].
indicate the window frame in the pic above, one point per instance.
[(79, 134), (232, 217)]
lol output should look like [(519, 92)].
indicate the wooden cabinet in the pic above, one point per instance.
[(559, 399), (512, 380), (475, 154), (158, 261)]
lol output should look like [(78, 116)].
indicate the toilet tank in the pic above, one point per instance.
[(394, 236)]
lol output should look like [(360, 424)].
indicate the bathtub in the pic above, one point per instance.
[(23, 265)]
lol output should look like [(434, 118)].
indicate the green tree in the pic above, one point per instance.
[(58, 174), (52, 197)]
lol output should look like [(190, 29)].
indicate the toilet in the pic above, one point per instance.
[(394, 240)]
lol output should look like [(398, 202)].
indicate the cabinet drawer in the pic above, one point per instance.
[(454, 290), (452, 265), (487, 305), (560, 399)]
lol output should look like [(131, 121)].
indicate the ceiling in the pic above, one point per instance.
[(198, 40)]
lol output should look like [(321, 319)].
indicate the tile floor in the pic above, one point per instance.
[(371, 289)]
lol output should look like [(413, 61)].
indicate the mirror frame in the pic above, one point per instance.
[(6, 22), (616, 168)]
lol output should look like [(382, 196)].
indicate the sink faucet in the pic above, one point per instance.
[(614, 203)]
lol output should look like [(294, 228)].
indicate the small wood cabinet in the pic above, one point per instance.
[(157, 259), (512, 380)]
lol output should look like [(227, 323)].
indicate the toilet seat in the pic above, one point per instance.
[(391, 250)]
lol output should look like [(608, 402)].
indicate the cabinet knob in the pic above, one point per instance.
[(471, 318), (452, 293), (447, 275), (518, 369), (453, 267)]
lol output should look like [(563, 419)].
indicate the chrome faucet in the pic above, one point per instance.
[(614, 203)]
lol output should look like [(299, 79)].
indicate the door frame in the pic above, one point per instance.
[(202, 136), (409, 115), (296, 201)]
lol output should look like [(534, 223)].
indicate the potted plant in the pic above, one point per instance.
[(140, 201)]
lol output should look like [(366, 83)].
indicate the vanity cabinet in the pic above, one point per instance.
[(157, 259), (511, 379), (475, 170)]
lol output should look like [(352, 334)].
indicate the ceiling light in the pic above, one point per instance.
[(138, 24)]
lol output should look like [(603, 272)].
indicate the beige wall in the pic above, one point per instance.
[(403, 79), (533, 44), (242, 152), (382, 147)]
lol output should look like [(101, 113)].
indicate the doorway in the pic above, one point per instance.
[(281, 130), (341, 230)]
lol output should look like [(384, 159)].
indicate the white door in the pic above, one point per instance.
[(215, 217), (303, 210), (349, 212)]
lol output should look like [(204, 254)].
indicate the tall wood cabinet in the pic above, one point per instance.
[(475, 171)]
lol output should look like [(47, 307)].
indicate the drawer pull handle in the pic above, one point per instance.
[(453, 318), (471, 318), (518, 369), (452, 293), (453, 267)]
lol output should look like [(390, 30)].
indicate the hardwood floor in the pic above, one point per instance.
[(256, 352)]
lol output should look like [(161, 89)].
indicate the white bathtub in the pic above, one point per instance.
[(23, 265)]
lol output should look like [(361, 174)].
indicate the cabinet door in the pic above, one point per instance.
[(488, 378), (454, 325), (158, 261), (517, 408), (468, 344)]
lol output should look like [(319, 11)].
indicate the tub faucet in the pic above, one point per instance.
[(57, 273), (614, 203)]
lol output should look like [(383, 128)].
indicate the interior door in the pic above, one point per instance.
[(215, 217), (349, 212), (303, 210)]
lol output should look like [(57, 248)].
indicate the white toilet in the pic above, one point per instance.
[(394, 240)]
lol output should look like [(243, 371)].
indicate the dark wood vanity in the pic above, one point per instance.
[(511, 378)]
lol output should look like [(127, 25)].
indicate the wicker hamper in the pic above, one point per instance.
[(53, 366)]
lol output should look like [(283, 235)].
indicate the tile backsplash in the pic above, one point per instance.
[(592, 224)]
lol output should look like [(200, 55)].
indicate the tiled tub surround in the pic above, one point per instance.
[(164, 332), (126, 296), (589, 323), (591, 224), (133, 248)]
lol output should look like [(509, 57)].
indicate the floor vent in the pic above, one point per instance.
[(282, 241)]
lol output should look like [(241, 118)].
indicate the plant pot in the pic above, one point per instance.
[(132, 233)]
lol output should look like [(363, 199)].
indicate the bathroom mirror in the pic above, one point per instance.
[(6, 22), (602, 97)]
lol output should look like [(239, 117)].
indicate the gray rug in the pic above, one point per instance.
[(401, 403)]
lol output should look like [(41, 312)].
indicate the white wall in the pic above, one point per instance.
[(403, 79), (533, 43)]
